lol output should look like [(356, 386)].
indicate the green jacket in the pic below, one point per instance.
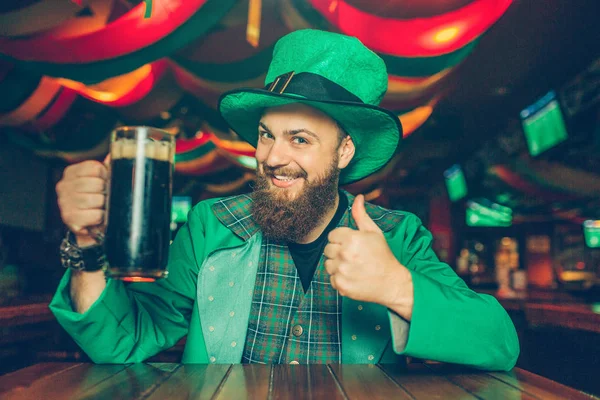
[(209, 291)]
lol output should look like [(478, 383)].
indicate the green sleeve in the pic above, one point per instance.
[(131, 322), (450, 322)]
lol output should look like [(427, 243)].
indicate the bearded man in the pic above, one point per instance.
[(298, 271)]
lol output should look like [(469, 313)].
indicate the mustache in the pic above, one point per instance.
[(293, 173)]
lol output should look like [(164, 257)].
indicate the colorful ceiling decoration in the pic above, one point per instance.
[(80, 132), (528, 187), (413, 119), (157, 103), (53, 112), (301, 14), (99, 55), (33, 17), (554, 175), (419, 37), (102, 44), (93, 16), (206, 59), (408, 9), (122, 90), (199, 156), (32, 100), (70, 71)]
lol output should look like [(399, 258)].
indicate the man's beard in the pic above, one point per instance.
[(282, 219)]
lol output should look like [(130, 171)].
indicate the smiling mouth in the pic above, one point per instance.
[(282, 181)]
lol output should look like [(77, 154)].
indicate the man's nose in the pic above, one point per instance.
[(278, 156)]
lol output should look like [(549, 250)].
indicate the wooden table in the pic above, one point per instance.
[(197, 381)]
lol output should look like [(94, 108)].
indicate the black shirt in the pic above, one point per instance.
[(307, 256)]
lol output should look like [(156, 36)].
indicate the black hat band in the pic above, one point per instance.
[(312, 87)]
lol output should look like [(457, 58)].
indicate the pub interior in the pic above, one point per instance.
[(500, 158)]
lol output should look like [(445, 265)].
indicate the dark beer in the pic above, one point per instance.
[(139, 211)]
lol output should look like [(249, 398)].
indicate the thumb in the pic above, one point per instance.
[(362, 219), (106, 163)]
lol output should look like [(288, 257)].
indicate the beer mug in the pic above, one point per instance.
[(139, 204)]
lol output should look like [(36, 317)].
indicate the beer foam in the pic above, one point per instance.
[(127, 148)]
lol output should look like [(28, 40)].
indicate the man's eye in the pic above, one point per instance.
[(299, 140), (265, 135)]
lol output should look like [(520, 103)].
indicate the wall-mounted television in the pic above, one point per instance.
[(180, 207), (456, 183), (543, 124), (483, 212), (591, 233)]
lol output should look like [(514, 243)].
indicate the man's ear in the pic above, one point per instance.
[(345, 152)]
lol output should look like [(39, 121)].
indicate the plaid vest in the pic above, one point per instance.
[(286, 325)]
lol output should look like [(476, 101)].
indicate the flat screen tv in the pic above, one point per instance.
[(482, 212), (180, 207), (591, 233), (456, 183), (543, 124)]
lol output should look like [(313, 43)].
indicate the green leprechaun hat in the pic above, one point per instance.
[(334, 73)]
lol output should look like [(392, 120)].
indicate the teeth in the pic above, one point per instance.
[(284, 178)]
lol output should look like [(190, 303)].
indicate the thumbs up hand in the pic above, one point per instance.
[(362, 266)]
